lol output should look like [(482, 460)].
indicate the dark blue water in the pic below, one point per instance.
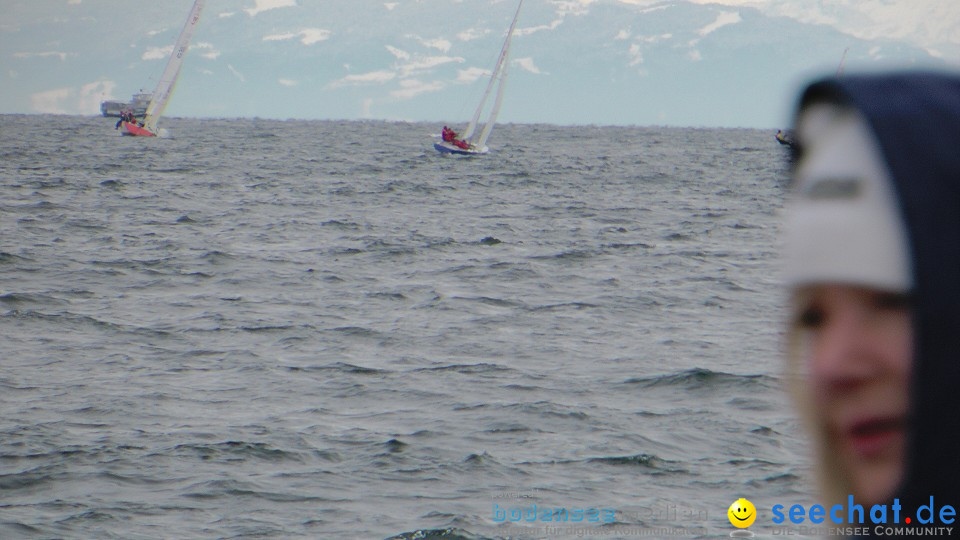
[(288, 329)]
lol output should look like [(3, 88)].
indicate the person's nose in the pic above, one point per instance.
[(843, 350)]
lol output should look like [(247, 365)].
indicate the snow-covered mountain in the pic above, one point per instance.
[(574, 61)]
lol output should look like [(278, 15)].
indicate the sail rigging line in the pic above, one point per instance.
[(843, 59)]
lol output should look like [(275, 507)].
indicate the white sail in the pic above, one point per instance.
[(499, 75), (161, 96), (481, 142)]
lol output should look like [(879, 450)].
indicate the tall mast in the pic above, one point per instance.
[(497, 74)]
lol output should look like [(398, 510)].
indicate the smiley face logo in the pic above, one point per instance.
[(742, 513)]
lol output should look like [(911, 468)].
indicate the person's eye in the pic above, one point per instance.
[(810, 317)]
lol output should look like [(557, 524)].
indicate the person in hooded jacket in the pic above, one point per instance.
[(872, 262)]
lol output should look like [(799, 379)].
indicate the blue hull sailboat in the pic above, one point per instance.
[(472, 142)]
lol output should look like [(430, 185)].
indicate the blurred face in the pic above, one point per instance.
[(859, 347)]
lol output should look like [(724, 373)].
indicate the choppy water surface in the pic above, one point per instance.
[(327, 330)]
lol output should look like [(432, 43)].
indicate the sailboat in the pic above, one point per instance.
[(471, 142), (161, 96), (787, 137)]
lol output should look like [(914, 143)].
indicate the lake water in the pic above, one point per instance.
[(309, 329)]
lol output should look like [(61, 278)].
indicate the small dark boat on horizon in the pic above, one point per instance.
[(785, 137)]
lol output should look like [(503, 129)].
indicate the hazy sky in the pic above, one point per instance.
[(931, 24), (417, 59)]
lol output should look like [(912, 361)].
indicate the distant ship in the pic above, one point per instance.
[(138, 104)]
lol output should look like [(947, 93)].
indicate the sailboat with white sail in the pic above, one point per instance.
[(161, 96), (473, 142)]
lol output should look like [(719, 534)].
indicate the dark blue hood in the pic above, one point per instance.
[(916, 117)]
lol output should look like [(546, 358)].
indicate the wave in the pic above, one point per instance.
[(646, 461), (788, 479), (16, 299), (31, 478), (231, 489), (703, 379), (576, 306), (440, 534), (236, 450), (342, 225), (628, 246), (340, 367), (573, 254), (538, 409), (497, 302), (75, 321), (268, 328), (8, 258), (467, 368), (653, 463)]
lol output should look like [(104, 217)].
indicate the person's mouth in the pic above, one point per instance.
[(870, 437)]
